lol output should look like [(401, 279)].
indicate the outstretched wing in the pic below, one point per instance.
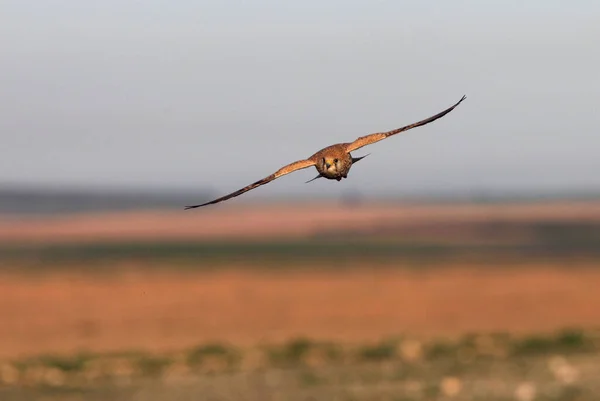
[(282, 171), (372, 138)]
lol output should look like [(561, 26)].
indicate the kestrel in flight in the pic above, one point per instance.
[(332, 162)]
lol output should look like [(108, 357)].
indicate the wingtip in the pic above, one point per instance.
[(197, 206), (460, 101)]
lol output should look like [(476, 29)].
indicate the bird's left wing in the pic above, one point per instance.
[(372, 138), (290, 168)]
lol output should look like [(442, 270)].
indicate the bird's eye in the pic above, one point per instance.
[(335, 160)]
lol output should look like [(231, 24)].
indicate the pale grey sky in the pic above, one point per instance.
[(217, 94)]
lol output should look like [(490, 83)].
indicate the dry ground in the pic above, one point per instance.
[(63, 312), (276, 221)]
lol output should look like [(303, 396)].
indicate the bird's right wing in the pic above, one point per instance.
[(372, 138), (290, 168)]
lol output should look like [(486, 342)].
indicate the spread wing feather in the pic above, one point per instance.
[(372, 138), (282, 171)]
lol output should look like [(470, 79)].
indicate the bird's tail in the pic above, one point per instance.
[(356, 159), (319, 176)]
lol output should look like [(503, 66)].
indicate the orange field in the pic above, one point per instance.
[(160, 311), (276, 221)]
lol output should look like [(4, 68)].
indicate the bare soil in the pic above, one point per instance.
[(64, 312), (275, 221)]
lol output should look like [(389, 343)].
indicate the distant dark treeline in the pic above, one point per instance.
[(64, 201), (48, 201)]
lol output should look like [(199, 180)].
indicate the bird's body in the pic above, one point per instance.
[(333, 162)]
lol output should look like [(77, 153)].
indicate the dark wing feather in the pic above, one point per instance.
[(282, 171), (372, 138)]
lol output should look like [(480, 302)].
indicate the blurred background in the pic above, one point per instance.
[(458, 261)]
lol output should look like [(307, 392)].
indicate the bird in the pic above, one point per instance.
[(333, 162)]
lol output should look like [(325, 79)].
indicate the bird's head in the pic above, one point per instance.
[(331, 164)]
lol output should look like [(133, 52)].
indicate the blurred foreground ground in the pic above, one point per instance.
[(150, 289), (162, 311)]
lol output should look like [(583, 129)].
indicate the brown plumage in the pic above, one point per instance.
[(333, 162)]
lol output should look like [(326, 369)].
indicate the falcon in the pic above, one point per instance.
[(333, 162)]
